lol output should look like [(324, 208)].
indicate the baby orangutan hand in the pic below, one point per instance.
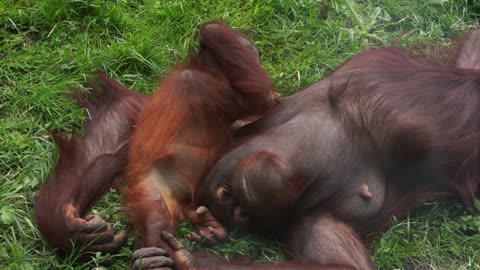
[(210, 231)]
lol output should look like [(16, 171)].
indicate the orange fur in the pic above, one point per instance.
[(186, 125)]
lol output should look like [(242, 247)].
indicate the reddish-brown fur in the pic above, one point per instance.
[(424, 120), (403, 129), (221, 83), (186, 124), (469, 55), (394, 107), (86, 169)]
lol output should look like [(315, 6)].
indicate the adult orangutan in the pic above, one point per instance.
[(333, 163)]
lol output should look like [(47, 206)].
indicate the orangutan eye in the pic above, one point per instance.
[(240, 213), (223, 193)]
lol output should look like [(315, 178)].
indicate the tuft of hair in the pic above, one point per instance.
[(469, 53)]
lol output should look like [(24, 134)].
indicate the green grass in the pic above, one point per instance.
[(49, 47)]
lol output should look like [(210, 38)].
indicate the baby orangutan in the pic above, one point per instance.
[(183, 128)]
